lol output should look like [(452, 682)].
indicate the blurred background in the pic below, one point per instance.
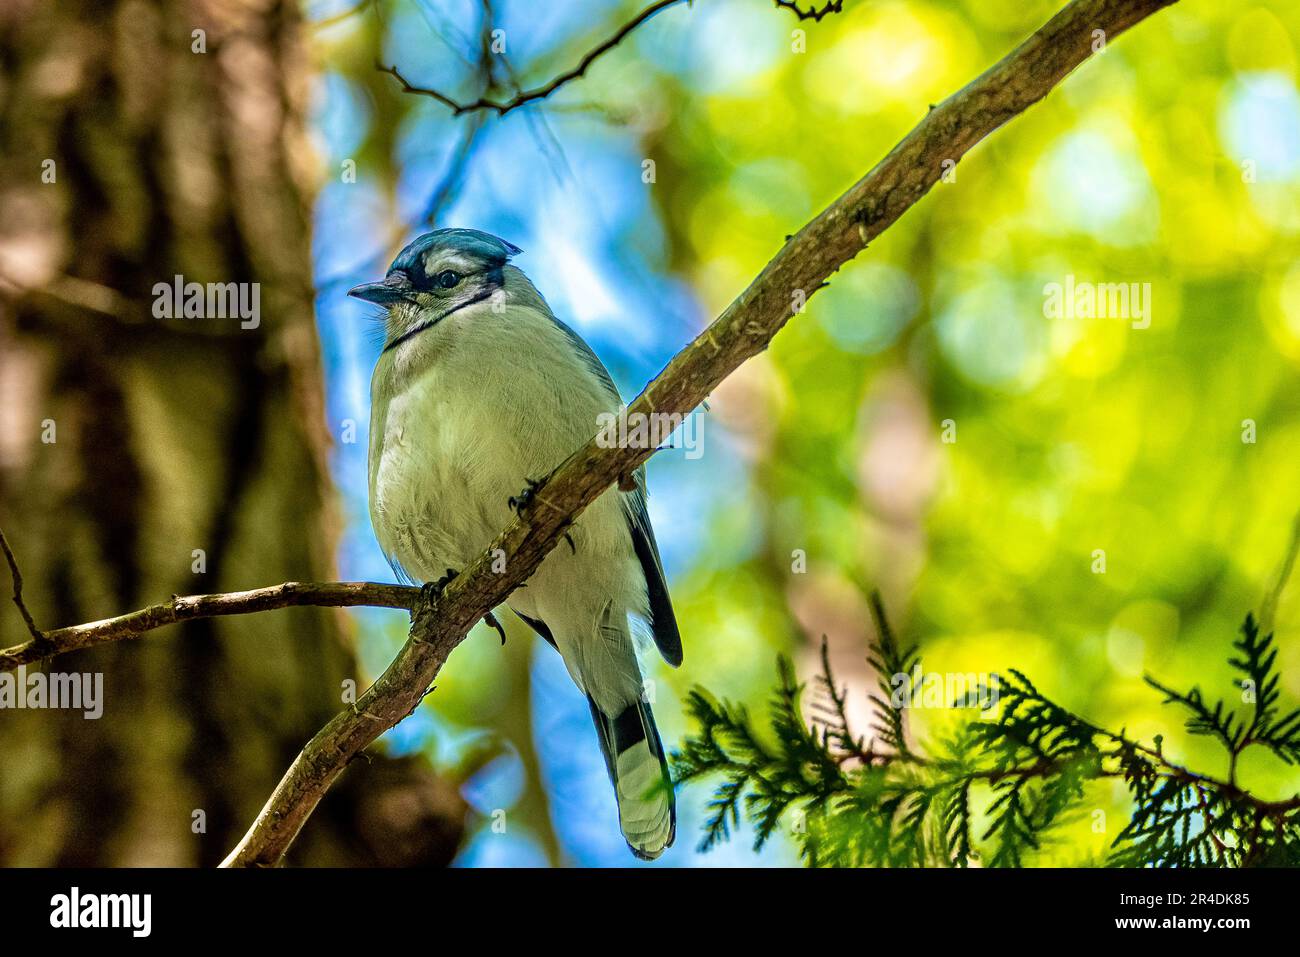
[(1082, 498)]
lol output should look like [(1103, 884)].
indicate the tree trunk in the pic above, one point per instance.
[(141, 457)]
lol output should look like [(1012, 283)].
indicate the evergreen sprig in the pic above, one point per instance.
[(765, 778), (995, 791)]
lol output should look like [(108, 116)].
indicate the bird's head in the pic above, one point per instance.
[(436, 275)]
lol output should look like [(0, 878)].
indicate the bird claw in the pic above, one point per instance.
[(525, 498), (432, 591), (491, 620)]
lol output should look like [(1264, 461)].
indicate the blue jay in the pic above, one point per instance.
[(479, 391)]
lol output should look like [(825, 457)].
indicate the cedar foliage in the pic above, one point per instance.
[(992, 792)]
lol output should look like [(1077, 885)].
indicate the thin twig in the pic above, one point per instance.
[(37, 637), (1268, 610), (454, 175), (812, 13), (184, 608), (79, 293), (458, 164), (537, 93), (340, 16)]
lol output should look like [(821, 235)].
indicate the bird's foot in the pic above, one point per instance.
[(433, 590), (525, 498)]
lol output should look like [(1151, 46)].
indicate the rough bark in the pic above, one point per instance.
[(170, 436)]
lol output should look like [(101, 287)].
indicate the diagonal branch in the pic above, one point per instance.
[(536, 93), (801, 267)]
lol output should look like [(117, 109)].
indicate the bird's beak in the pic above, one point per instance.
[(393, 289)]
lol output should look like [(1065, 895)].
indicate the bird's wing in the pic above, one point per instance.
[(662, 620), (539, 626), (597, 367), (402, 575)]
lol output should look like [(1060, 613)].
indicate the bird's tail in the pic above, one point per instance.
[(634, 756)]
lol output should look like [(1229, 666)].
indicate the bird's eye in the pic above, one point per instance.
[(447, 278)]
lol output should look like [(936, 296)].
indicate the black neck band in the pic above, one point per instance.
[(416, 330)]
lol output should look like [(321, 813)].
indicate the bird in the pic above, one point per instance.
[(480, 392)]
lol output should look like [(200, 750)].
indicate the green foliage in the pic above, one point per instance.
[(1258, 683), (1067, 434), (994, 791), (798, 766)]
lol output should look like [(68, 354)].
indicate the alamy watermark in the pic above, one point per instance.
[(653, 430), (215, 300), (1098, 300), (133, 912), (82, 692), (950, 689)]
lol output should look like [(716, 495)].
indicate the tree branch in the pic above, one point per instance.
[(1268, 609), (458, 164), (802, 266), (38, 639), (137, 623), (339, 17), (812, 13), (537, 93)]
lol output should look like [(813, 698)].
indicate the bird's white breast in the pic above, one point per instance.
[(462, 415)]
